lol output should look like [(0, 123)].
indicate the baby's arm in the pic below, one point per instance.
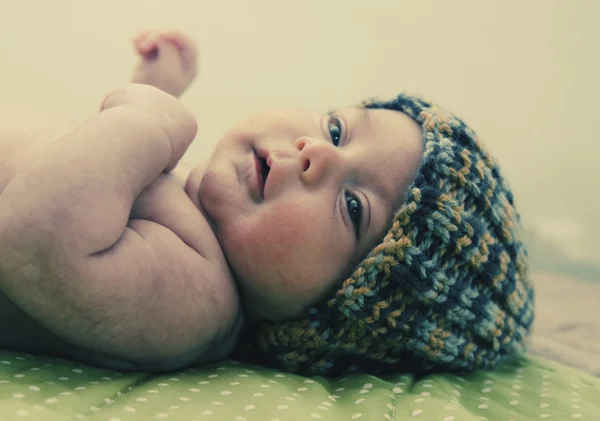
[(71, 259)]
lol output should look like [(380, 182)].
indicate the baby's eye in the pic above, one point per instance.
[(334, 126), (354, 208)]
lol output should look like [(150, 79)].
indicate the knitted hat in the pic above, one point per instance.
[(447, 288)]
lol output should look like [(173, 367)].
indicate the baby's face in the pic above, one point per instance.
[(298, 198)]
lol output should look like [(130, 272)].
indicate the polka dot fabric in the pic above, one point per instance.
[(50, 389)]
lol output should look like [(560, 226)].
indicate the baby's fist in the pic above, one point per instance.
[(168, 60)]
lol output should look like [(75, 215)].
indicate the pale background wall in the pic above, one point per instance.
[(524, 74)]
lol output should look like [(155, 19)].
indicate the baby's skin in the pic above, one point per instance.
[(103, 257), (113, 254)]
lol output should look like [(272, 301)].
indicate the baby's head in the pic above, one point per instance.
[(384, 238)]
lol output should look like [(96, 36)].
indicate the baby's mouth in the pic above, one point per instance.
[(262, 172)]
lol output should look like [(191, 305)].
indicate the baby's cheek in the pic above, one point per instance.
[(306, 249)]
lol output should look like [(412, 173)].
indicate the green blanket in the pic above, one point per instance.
[(528, 388)]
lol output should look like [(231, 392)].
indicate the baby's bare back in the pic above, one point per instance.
[(162, 213)]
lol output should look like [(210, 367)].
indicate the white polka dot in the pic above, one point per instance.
[(387, 417), (302, 389), (322, 408), (486, 390), (174, 379), (249, 407), (544, 415), (483, 398), (243, 375), (273, 381), (482, 406), (417, 412), (359, 401), (184, 399), (77, 370), (50, 400), (104, 378), (108, 400), (250, 371), (308, 381), (62, 378), (368, 386), (450, 418), (141, 399), (515, 393), (212, 376), (207, 412), (513, 402), (204, 382), (217, 403), (456, 392), (234, 383), (152, 391), (289, 398), (545, 395), (194, 390), (80, 388), (174, 407), (427, 385), (516, 386), (488, 382), (544, 405), (66, 393), (390, 406), (419, 400), (450, 407), (225, 393), (34, 388), (357, 415), (163, 384), (162, 415), (340, 389), (22, 413), (4, 381), (313, 415), (128, 409), (279, 375), (94, 409), (576, 416), (4, 362), (114, 419), (364, 391), (397, 390), (266, 386), (244, 419), (282, 407), (258, 395), (326, 403), (575, 406)]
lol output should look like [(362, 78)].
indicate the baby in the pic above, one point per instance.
[(377, 237)]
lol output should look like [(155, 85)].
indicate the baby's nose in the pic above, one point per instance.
[(318, 158)]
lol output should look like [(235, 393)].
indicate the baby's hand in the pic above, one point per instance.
[(168, 60)]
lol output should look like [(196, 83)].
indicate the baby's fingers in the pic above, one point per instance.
[(146, 43)]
